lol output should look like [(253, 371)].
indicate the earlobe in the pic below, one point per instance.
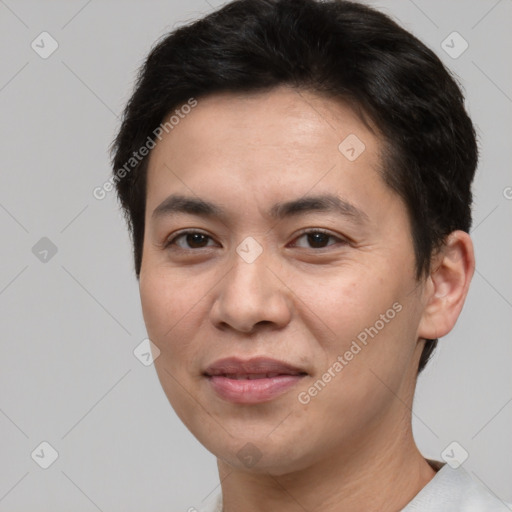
[(447, 285)]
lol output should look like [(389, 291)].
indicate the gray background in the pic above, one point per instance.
[(70, 324)]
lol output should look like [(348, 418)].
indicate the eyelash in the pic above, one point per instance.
[(301, 234)]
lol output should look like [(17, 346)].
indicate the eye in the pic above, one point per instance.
[(194, 239), (318, 239), (190, 240)]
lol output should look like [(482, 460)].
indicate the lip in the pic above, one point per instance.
[(252, 381)]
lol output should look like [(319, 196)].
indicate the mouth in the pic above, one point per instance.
[(251, 376), (253, 381)]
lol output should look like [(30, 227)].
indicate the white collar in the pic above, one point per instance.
[(451, 490)]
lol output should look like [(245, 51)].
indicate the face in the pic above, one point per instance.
[(270, 234)]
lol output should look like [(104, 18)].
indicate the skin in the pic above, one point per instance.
[(351, 447)]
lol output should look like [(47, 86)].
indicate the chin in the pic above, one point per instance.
[(260, 454)]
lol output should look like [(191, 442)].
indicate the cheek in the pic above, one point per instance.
[(343, 304), (366, 319), (170, 306), (172, 316)]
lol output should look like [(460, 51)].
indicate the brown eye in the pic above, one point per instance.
[(192, 240), (317, 239)]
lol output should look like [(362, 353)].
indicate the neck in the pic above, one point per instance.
[(382, 470)]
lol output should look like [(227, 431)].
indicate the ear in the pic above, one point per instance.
[(447, 285)]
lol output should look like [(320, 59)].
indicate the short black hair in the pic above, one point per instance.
[(337, 48)]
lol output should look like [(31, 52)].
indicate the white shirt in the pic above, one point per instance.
[(451, 490)]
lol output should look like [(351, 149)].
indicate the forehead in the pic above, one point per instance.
[(300, 116), (266, 141)]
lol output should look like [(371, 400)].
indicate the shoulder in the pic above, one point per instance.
[(451, 490), (456, 490)]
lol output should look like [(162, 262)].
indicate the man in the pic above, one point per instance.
[(297, 180)]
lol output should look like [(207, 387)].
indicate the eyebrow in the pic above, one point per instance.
[(175, 204)]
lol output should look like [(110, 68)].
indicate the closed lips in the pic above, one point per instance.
[(251, 376), (252, 381), (255, 368)]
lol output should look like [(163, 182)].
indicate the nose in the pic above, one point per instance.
[(251, 295)]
